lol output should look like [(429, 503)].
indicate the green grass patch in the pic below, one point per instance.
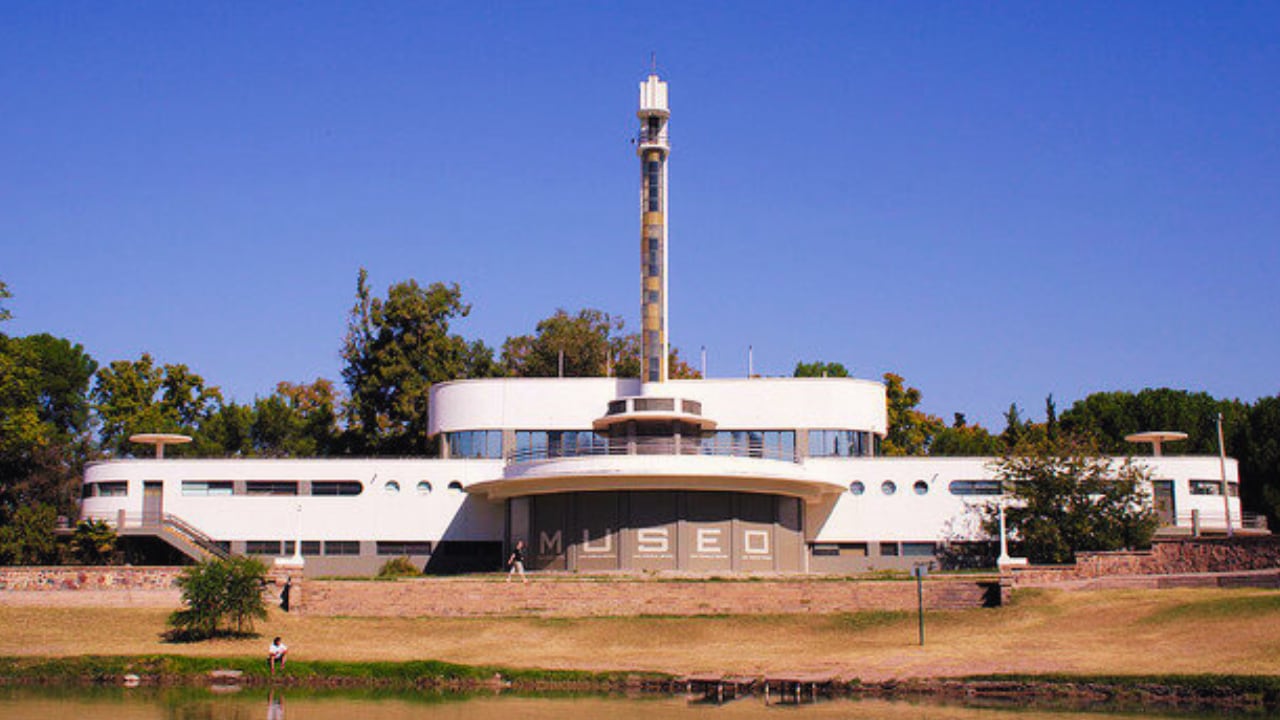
[(108, 669), (1222, 608)]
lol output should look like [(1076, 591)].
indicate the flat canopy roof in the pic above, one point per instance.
[(1154, 436)]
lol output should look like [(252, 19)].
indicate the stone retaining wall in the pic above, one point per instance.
[(1168, 557), (545, 597), (88, 577)]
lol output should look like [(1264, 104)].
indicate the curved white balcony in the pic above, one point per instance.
[(655, 464)]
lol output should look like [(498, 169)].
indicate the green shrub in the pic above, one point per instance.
[(94, 542), (29, 537), (398, 567), (222, 597)]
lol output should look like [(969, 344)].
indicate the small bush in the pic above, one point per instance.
[(398, 567), (94, 543), (222, 597)]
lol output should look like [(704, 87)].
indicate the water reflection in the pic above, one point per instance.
[(201, 704)]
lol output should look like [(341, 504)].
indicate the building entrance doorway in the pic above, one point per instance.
[(152, 502), (1166, 511)]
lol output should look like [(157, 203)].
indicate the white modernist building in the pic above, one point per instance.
[(601, 474)]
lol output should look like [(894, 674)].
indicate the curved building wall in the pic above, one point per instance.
[(679, 530), (573, 403)]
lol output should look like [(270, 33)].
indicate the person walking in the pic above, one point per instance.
[(516, 562)]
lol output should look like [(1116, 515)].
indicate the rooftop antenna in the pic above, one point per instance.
[(704, 362), (751, 362), (653, 63)]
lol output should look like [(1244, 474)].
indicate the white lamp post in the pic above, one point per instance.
[(296, 560)]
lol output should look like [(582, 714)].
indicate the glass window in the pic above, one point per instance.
[(207, 487), (974, 487), (424, 487), (917, 549), (921, 487), (838, 443), (392, 487), (857, 488), (475, 444), (537, 444), (455, 485), (1206, 487), (403, 547), (271, 487), (262, 547), (889, 549), (888, 487), (342, 547), (1233, 489), (336, 487), (309, 547), (113, 489)]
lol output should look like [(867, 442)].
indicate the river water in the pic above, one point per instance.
[(202, 704)]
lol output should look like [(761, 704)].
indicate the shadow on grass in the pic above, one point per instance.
[(186, 636)]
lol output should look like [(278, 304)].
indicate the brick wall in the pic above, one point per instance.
[(87, 578), (1170, 557), (546, 597)]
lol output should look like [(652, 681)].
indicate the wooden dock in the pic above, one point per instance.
[(798, 688), (717, 688)]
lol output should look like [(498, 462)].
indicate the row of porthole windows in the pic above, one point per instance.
[(423, 487), (920, 487), (889, 487)]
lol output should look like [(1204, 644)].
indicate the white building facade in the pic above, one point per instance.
[(613, 474)]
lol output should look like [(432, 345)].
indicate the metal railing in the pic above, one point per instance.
[(1217, 520), (161, 523), (652, 446)]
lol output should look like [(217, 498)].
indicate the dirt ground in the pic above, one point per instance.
[(1112, 632)]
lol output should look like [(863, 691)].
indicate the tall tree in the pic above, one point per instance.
[(44, 421), (910, 431), (297, 420), (136, 396), (393, 351), (585, 341)]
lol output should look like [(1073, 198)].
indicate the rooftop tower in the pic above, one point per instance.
[(653, 147)]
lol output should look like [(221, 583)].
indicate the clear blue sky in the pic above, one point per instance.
[(997, 201)]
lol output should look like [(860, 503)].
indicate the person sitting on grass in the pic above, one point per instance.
[(277, 653)]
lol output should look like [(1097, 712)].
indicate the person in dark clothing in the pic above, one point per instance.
[(516, 562)]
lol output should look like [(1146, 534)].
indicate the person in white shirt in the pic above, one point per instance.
[(276, 653)]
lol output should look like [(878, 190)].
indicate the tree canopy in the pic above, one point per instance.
[(820, 369), (910, 431), (136, 396), (1066, 497), (394, 350)]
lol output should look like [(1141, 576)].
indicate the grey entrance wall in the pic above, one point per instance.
[(660, 530)]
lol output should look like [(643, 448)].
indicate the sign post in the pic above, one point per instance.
[(919, 572)]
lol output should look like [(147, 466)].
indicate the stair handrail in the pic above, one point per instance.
[(195, 535)]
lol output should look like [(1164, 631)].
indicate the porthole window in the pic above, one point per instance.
[(424, 487), (857, 488), (392, 486), (921, 487), (888, 487), (455, 485)]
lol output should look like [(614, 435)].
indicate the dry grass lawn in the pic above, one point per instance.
[(1115, 632)]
